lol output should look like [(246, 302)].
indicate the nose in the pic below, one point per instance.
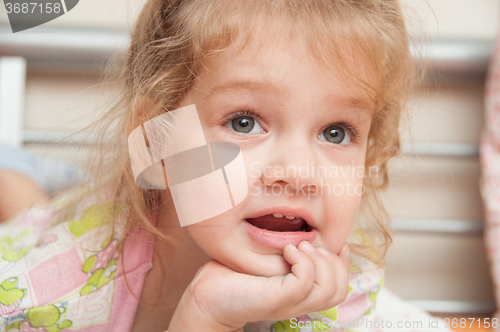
[(292, 165)]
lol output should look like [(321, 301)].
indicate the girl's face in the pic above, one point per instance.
[(303, 137)]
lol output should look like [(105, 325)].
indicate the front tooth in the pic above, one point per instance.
[(296, 221), (277, 215), (290, 217)]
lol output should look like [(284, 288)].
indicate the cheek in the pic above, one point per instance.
[(206, 239), (218, 235), (254, 164), (342, 184), (210, 240), (341, 201)]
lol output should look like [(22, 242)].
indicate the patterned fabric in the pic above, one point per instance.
[(490, 164), (65, 272)]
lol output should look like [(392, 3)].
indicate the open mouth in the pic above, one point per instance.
[(276, 222)]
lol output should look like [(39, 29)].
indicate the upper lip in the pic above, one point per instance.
[(285, 210)]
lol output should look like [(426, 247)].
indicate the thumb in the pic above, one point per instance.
[(344, 255)]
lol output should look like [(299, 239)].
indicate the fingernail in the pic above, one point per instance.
[(308, 246), (294, 248), (323, 251)]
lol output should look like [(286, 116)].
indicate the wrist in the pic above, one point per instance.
[(189, 317)]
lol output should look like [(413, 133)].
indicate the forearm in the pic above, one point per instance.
[(18, 192)]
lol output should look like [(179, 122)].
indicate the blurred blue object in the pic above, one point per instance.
[(48, 173)]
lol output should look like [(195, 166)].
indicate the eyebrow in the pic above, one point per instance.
[(258, 85), (241, 84), (357, 104)]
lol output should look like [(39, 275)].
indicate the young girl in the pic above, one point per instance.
[(298, 85)]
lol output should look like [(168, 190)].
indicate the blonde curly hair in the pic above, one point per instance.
[(171, 40)]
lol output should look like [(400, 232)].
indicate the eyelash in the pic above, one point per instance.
[(352, 130), (237, 114)]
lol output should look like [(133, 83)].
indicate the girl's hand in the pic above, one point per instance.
[(220, 299)]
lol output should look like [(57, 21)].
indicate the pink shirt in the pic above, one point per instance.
[(67, 272)]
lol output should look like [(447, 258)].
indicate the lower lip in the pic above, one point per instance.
[(278, 240)]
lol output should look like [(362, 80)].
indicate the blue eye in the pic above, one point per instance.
[(244, 124), (335, 134)]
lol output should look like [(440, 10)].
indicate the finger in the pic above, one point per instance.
[(283, 293), (341, 266), (343, 254), (323, 267), (302, 269), (325, 287), (298, 260)]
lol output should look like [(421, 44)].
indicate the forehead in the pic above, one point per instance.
[(269, 64)]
